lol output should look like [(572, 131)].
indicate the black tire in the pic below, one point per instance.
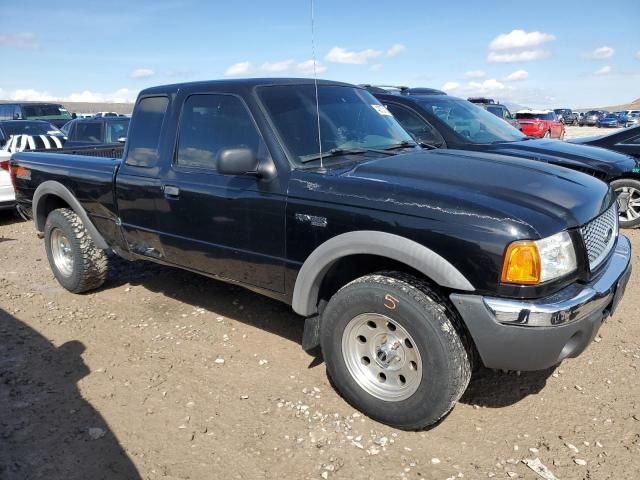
[(436, 331), (87, 265), (625, 188)]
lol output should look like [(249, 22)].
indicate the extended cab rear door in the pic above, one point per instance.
[(231, 226), (138, 185)]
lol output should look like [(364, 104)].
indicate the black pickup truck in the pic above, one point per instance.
[(409, 266)]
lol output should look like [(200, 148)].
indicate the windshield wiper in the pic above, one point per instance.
[(402, 144), (338, 152)]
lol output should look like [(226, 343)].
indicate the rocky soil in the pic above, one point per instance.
[(163, 374)]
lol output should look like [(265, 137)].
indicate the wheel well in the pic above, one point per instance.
[(349, 268), (46, 205)]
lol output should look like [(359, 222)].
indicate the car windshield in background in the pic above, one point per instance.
[(469, 121), (534, 116), (116, 130), (350, 119), (22, 127), (48, 112)]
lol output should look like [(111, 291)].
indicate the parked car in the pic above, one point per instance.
[(567, 116), (407, 264), (443, 121), (7, 195), (51, 112), (540, 123), (97, 131), (590, 118), (633, 119), (610, 120), (105, 114), (497, 109), (8, 128)]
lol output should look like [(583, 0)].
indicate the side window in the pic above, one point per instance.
[(115, 131), (412, 123), (5, 112), (145, 131), (88, 132), (17, 113), (210, 123)]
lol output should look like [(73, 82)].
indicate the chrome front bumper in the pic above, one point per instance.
[(536, 334)]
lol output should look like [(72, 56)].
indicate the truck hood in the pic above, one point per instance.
[(484, 190), (582, 157)]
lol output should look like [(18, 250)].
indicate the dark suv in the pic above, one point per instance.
[(567, 116), (438, 120), (51, 112), (499, 110)]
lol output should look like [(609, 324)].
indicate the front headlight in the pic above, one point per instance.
[(530, 262)]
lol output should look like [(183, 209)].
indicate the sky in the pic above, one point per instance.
[(561, 53)]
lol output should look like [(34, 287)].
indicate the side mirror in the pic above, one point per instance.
[(74, 116), (17, 116), (237, 161), (122, 139)]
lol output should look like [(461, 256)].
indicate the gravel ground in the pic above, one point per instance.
[(163, 374), (576, 132)]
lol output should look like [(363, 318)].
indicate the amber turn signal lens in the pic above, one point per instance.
[(522, 263)]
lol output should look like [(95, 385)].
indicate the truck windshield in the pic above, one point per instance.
[(472, 123), (352, 121), (48, 111)]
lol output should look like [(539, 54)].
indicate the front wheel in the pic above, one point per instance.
[(75, 261), (394, 349), (628, 191)]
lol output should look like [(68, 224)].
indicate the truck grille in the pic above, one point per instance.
[(600, 235)]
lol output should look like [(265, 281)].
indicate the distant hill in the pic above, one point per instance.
[(635, 105), (90, 107)]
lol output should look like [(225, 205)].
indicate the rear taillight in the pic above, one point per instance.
[(4, 165)]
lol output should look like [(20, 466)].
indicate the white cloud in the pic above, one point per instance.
[(520, 39), (513, 57), (341, 55), (142, 73), (278, 67), (490, 86), (606, 70), (19, 40), (123, 95), (396, 49), (29, 94), (306, 68), (475, 74), (376, 67), (238, 69), (601, 53), (517, 76)]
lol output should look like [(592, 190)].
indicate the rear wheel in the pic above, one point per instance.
[(628, 191), (394, 349), (75, 261)]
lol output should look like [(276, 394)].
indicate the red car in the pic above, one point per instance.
[(540, 123)]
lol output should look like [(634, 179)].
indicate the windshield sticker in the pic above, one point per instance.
[(382, 110)]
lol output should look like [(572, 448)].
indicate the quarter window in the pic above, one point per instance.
[(145, 131), (211, 123)]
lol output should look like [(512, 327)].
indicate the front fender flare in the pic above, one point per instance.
[(388, 245), (51, 187)]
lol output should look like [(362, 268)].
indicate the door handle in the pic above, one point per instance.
[(170, 191)]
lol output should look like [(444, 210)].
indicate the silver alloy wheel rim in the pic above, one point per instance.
[(629, 201), (61, 251), (382, 357)]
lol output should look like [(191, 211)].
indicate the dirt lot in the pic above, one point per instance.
[(575, 132), (167, 375)]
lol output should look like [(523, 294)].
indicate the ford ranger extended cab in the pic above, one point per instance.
[(409, 266)]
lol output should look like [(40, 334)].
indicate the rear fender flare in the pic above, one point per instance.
[(394, 247), (51, 187)]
